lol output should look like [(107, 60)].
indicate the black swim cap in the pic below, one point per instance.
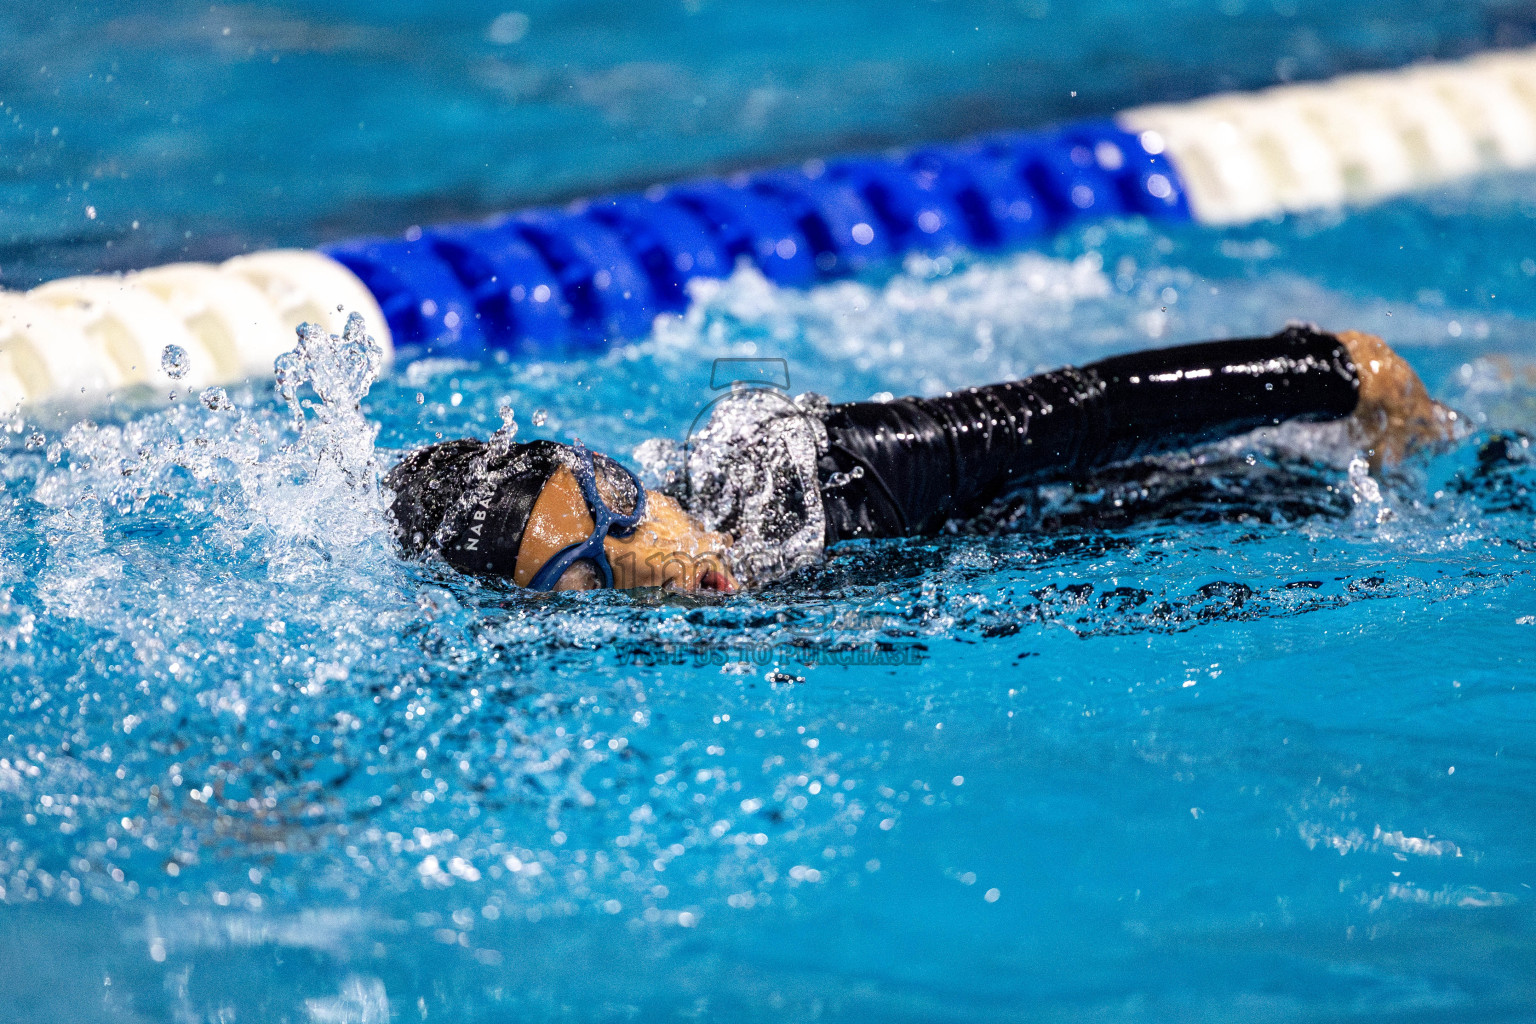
[(468, 503)]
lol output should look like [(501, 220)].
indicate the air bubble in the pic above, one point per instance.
[(843, 479)]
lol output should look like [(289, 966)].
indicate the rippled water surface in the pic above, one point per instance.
[(1228, 731), (1233, 736)]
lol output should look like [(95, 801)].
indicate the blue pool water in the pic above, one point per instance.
[(1238, 738), (218, 128)]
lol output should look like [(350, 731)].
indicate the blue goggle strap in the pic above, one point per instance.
[(604, 521)]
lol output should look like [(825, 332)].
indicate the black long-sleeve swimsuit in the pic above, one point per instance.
[(906, 467)]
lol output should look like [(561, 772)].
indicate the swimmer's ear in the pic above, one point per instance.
[(1394, 412)]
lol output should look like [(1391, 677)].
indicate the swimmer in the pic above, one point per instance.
[(768, 484)]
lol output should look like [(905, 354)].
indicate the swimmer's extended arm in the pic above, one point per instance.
[(906, 467), (912, 464)]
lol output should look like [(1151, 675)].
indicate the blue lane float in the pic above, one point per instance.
[(544, 282), (599, 272)]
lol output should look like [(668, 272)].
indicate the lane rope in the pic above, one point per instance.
[(1356, 139), (595, 273), (231, 319)]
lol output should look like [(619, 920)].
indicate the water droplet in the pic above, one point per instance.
[(175, 362), (36, 440), (217, 399), (288, 371), (540, 417), (55, 453), (421, 399), (502, 440)]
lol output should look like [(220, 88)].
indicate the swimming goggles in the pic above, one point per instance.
[(605, 521)]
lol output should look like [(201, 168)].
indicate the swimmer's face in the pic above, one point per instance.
[(668, 549)]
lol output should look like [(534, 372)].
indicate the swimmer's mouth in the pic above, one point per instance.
[(709, 579)]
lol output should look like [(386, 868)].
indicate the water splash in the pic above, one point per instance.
[(997, 320), (322, 492), (493, 769), (304, 500), (216, 399), (1366, 492), (506, 434), (748, 469)]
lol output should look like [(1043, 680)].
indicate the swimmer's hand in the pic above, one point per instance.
[(1395, 414)]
